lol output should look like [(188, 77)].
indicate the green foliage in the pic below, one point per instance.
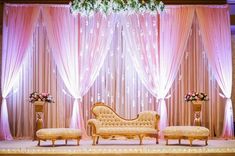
[(88, 7)]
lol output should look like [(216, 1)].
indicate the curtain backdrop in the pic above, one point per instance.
[(79, 47), (117, 84), (18, 27), (155, 61), (217, 41)]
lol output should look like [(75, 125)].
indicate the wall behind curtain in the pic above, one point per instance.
[(117, 85)]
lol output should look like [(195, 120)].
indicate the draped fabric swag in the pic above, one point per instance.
[(83, 60)]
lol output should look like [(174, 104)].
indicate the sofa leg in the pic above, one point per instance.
[(191, 141), (157, 140), (206, 142), (141, 139), (78, 140), (53, 143), (66, 141), (97, 140), (94, 140), (39, 142)]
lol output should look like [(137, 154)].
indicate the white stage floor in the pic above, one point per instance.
[(118, 147)]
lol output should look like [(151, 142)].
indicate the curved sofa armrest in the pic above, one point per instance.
[(95, 124)]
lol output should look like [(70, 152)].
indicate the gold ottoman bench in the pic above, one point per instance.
[(54, 134), (186, 132)]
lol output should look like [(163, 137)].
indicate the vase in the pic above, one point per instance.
[(197, 106)]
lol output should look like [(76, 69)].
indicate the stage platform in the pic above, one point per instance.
[(119, 147)]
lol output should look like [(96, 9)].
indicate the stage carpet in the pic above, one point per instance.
[(118, 147)]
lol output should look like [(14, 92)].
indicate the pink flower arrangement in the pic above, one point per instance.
[(194, 96), (45, 97)]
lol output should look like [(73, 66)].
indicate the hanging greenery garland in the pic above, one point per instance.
[(89, 7)]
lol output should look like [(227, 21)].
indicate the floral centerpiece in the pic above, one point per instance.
[(196, 96), (89, 7), (45, 97)]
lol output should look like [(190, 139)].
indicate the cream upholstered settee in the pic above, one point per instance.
[(186, 132), (54, 134), (108, 124)]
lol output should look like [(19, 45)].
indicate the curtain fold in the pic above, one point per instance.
[(215, 27), (79, 47), (155, 61), (18, 27)]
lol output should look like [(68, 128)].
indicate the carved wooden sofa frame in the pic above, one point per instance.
[(108, 123)]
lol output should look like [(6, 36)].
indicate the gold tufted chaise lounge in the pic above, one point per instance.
[(108, 124)]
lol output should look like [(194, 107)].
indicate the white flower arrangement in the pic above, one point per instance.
[(89, 7)]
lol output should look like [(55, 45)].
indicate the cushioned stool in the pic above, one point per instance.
[(186, 132), (54, 134)]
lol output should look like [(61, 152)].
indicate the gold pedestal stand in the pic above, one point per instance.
[(38, 117), (197, 107)]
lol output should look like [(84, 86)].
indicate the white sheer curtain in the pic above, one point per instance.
[(62, 29), (217, 41), (157, 55), (39, 73), (80, 46), (95, 36), (18, 27)]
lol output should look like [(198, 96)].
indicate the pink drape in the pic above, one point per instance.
[(79, 47), (157, 59), (215, 27), (19, 24)]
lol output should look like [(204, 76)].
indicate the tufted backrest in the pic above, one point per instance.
[(108, 117)]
